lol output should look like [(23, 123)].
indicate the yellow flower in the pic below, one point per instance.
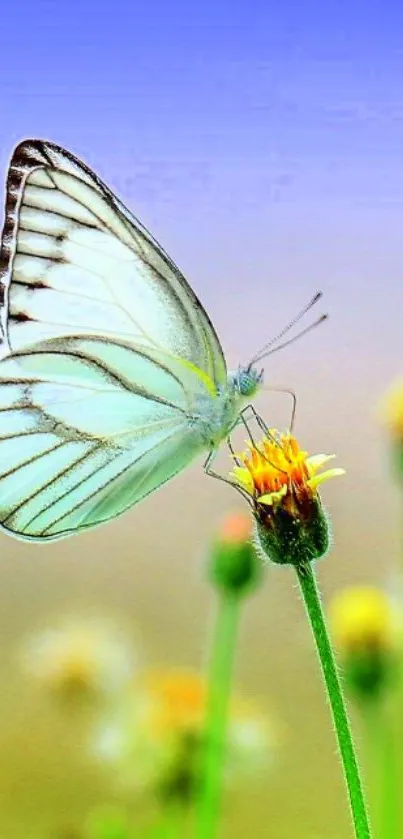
[(79, 658), (391, 410), (277, 470), (282, 481), (366, 630), (154, 741), (362, 618)]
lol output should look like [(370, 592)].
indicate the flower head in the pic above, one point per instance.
[(155, 740), (391, 415), (392, 410), (79, 658), (366, 630), (282, 481)]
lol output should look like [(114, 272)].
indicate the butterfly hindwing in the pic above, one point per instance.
[(79, 443)]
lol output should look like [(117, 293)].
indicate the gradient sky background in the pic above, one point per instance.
[(261, 143)]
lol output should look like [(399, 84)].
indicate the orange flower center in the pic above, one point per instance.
[(276, 463)]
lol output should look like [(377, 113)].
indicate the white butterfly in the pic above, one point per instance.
[(112, 378)]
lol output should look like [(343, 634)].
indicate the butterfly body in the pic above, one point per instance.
[(215, 418)]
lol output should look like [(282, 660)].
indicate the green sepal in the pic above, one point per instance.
[(294, 537)]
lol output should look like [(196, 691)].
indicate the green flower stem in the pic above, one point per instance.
[(369, 711), (389, 786), (382, 769), (170, 825), (175, 822), (221, 668), (314, 610)]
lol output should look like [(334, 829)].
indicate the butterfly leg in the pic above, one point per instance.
[(258, 419), (241, 420), (293, 398), (232, 452), (212, 474), (262, 425), (244, 419)]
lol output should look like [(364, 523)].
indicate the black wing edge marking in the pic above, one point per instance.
[(26, 157)]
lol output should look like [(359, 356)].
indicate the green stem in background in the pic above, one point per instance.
[(174, 822), (221, 668), (380, 744), (369, 713), (314, 610), (170, 825), (389, 816)]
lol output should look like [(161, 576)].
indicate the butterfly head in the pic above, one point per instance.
[(247, 380)]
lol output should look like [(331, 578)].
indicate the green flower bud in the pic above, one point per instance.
[(234, 565)]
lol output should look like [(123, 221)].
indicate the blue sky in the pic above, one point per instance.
[(260, 142), (186, 82)]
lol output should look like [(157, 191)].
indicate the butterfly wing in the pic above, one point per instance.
[(73, 260), (87, 429)]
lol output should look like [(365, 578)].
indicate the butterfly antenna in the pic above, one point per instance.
[(261, 353), (272, 350)]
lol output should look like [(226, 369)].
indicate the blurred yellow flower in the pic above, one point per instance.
[(178, 700), (79, 658), (391, 410), (366, 629), (282, 481), (362, 617), (154, 741)]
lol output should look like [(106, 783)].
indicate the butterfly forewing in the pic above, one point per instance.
[(75, 261)]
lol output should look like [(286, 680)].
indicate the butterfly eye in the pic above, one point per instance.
[(248, 381)]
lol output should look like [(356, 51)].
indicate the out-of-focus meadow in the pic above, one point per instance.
[(263, 148)]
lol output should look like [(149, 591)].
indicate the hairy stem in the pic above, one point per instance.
[(316, 617)]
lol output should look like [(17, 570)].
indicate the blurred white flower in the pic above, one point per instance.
[(153, 741), (252, 738), (81, 657)]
